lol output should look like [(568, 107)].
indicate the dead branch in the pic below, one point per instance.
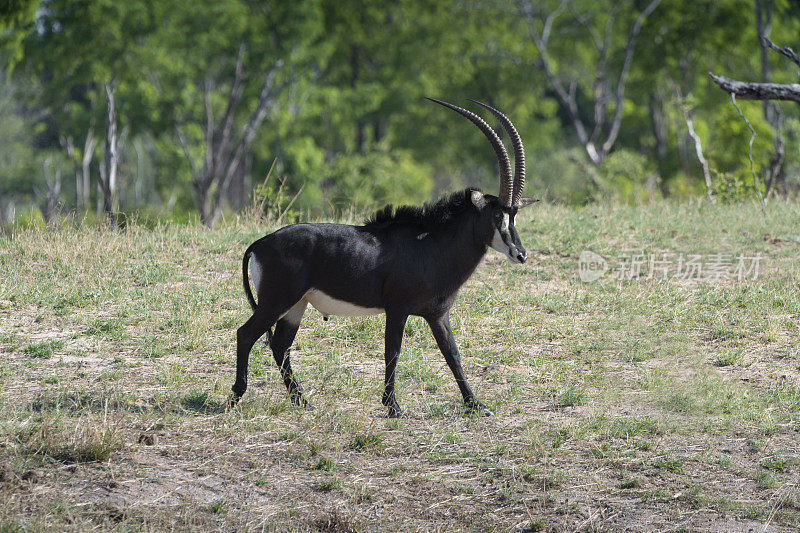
[(237, 88), (698, 149), (785, 51), (265, 100), (758, 91), (636, 28)]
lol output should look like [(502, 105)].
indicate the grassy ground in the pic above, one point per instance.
[(622, 404)]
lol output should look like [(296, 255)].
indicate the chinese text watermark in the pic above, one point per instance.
[(637, 265)]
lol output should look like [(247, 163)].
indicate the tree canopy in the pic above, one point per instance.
[(207, 95)]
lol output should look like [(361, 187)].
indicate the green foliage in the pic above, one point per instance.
[(347, 121), (17, 153), (728, 150), (16, 21), (731, 188), (563, 175), (624, 176), (378, 178)]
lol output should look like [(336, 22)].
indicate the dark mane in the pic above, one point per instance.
[(429, 215)]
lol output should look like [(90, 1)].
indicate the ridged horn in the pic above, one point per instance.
[(506, 180), (519, 152)]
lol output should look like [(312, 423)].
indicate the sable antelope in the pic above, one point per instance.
[(404, 261)]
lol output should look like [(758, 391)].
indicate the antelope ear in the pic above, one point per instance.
[(478, 199), (525, 202)]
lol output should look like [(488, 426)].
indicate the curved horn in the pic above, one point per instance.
[(506, 181), (519, 151)]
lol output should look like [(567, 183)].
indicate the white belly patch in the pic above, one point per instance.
[(328, 305)]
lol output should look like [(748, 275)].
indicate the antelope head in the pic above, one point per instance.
[(498, 212)]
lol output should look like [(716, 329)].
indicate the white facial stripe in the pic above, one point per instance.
[(328, 305), (498, 244), (255, 271)]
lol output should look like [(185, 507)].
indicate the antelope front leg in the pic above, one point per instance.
[(440, 326), (395, 325)]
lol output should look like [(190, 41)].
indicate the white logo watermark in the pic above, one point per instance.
[(630, 265), (591, 266)]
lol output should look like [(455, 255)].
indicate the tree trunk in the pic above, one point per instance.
[(775, 170), (239, 197), (137, 185), (108, 170), (86, 162), (698, 147), (763, 27), (658, 123), (68, 145), (206, 218), (8, 210), (772, 113), (52, 199), (222, 158)]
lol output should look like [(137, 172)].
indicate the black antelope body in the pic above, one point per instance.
[(408, 261)]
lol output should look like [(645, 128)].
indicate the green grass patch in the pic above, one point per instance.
[(119, 356), (368, 442), (44, 349)]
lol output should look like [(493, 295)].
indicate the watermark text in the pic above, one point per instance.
[(639, 265)]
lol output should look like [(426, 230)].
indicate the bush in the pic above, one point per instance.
[(624, 176), (731, 187)]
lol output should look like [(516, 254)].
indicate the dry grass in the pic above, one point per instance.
[(620, 405)]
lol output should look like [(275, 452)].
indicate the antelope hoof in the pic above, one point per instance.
[(235, 397), (396, 412), (474, 407), (300, 401)]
